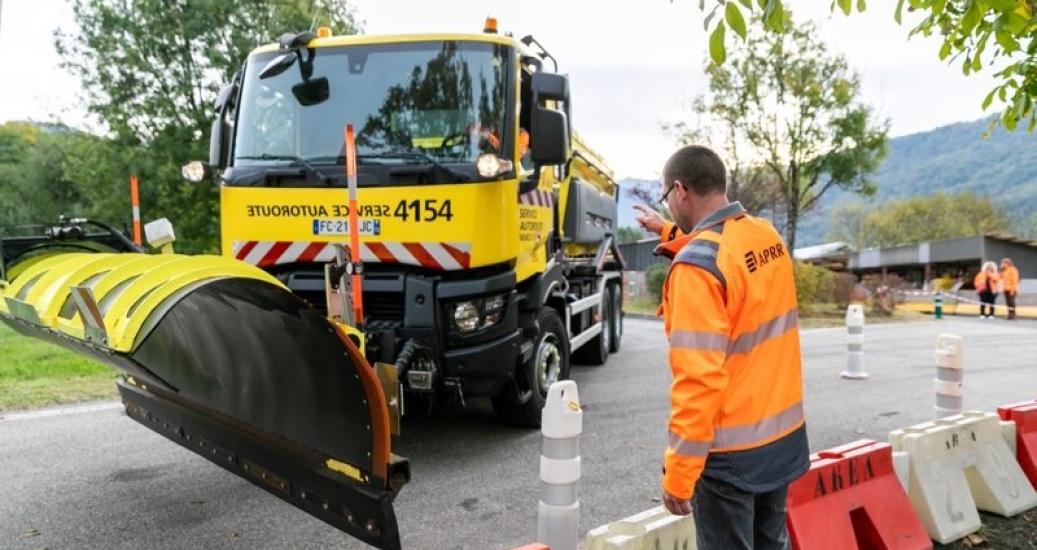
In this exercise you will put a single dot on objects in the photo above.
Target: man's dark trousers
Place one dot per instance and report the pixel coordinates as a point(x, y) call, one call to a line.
point(727, 518)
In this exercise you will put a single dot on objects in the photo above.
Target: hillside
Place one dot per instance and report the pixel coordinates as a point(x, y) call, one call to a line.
point(950, 158)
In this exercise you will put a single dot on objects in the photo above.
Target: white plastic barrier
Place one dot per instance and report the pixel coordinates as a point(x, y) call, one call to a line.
point(855, 343)
point(958, 464)
point(902, 466)
point(650, 530)
point(949, 375)
point(558, 518)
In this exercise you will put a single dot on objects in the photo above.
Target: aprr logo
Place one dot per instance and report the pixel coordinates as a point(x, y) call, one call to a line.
point(755, 260)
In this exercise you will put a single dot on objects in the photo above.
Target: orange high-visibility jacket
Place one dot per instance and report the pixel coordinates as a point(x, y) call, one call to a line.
point(730, 315)
point(980, 281)
point(1010, 276)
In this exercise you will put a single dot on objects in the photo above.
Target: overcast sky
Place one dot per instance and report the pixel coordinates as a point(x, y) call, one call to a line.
point(633, 65)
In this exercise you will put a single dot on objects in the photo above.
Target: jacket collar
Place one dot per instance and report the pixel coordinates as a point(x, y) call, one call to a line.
point(718, 216)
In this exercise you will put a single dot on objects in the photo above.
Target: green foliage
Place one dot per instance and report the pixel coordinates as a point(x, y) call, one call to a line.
point(58, 170)
point(629, 235)
point(150, 70)
point(655, 276)
point(975, 33)
point(793, 108)
point(814, 285)
point(918, 219)
point(953, 159)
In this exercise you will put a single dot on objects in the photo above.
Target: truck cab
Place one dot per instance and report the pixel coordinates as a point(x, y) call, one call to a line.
point(485, 224)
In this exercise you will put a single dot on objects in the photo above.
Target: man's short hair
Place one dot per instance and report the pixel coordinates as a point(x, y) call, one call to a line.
point(698, 168)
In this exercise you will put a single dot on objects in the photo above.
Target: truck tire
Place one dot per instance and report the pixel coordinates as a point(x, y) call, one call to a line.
point(616, 319)
point(522, 403)
point(596, 351)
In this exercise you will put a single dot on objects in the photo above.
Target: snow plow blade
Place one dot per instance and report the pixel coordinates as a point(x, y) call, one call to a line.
point(221, 358)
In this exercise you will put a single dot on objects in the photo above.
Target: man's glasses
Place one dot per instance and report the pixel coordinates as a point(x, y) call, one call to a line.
point(662, 199)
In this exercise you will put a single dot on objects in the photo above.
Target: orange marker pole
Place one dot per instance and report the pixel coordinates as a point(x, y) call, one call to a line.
point(135, 205)
point(354, 229)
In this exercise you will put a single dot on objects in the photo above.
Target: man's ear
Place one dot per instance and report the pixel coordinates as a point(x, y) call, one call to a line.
point(680, 190)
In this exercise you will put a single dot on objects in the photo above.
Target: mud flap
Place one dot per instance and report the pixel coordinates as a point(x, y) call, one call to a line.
point(224, 360)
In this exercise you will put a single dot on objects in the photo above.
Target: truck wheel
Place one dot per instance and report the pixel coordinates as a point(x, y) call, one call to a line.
point(522, 403)
point(616, 320)
point(596, 351)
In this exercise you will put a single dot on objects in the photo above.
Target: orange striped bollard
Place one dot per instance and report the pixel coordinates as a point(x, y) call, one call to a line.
point(135, 206)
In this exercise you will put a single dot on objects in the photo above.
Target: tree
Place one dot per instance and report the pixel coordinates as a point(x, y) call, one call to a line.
point(919, 219)
point(793, 111)
point(629, 235)
point(717, 125)
point(853, 224)
point(150, 71)
point(47, 170)
point(977, 32)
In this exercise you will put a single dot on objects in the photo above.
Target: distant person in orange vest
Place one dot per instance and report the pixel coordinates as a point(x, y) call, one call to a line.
point(986, 283)
point(737, 435)
point(1010, 284)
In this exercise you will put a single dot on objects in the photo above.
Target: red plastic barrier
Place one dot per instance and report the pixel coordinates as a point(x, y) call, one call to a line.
point(1025, 417)
point(851, 499)
point(535, 546)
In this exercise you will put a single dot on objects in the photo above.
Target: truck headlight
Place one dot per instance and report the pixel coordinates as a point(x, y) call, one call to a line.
point(466, 316)
point(480, 313)
point(494, 310)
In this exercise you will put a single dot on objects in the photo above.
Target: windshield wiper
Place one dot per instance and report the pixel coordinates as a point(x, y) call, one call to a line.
point(296, 161)
point(416, 155)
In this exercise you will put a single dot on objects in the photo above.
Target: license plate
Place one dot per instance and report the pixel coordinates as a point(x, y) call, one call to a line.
point(340, 226)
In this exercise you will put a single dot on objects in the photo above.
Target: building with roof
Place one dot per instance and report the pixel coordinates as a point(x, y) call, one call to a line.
point(954, 258)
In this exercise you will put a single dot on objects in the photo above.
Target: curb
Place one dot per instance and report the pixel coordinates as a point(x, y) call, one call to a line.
point(61, 410)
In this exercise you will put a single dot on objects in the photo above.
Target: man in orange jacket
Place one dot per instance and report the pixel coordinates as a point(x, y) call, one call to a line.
point(737, 435)
point(1010, 282)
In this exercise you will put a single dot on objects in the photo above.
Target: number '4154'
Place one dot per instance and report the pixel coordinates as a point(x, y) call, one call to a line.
point(424, 211)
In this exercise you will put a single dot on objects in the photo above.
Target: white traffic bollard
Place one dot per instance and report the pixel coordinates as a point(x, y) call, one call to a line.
point(855, 343)
point(949, 375)
point(558, 518)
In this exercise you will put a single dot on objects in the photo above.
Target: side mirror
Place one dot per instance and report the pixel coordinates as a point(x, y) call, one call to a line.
point(216, 142)
point(311, 92)
point(278, 64)
point(224, 97)
point(550, 87)
point(549, 136)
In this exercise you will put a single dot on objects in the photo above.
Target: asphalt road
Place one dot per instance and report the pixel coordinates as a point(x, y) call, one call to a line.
point(92, 478)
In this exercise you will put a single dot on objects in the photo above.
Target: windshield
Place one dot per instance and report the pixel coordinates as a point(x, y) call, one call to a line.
point(411, 103)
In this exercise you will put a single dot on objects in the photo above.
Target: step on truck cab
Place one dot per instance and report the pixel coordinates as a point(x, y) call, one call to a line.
point(485, 223)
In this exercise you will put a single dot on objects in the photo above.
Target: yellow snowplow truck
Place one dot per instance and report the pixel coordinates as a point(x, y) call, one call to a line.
point(486, 224)
point(485, 257)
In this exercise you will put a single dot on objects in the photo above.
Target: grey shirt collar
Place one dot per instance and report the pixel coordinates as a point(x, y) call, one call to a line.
point(731, 210)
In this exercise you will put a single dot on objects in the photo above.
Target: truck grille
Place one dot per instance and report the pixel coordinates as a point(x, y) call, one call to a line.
point(384, 306)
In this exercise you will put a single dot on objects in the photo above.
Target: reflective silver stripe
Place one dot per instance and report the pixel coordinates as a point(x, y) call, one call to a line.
point(950, 375)
point(768, 428)
point(770, 329)
point(560, 449)
point(690, 339)
point(702, 253)
point(684, 447)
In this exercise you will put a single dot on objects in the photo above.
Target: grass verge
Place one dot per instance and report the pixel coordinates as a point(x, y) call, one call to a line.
point(36, 374)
